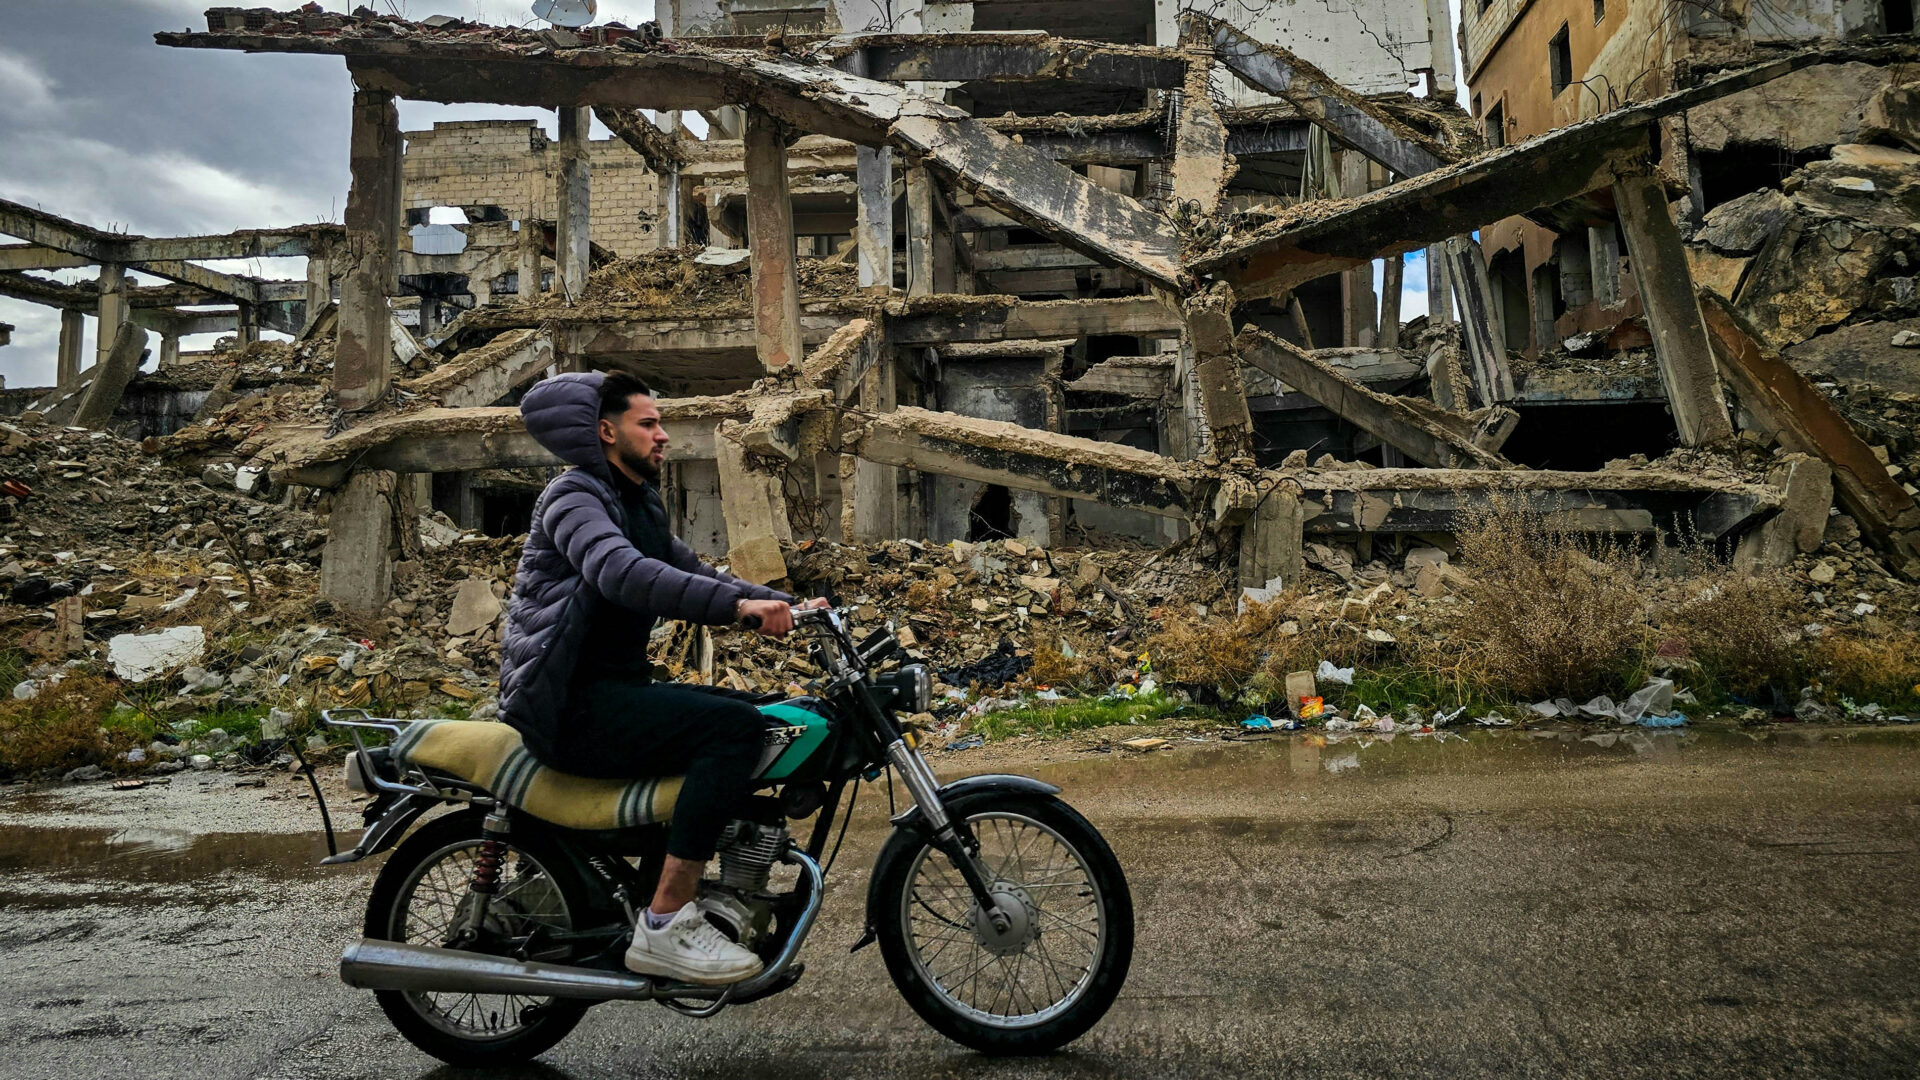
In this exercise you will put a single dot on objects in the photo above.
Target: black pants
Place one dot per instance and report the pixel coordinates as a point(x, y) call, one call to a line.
point(618, 730)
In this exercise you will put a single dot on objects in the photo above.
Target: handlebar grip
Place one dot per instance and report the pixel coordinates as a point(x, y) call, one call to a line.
point(750, 622)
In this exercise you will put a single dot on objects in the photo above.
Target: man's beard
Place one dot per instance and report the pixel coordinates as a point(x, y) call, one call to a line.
point(641, 465)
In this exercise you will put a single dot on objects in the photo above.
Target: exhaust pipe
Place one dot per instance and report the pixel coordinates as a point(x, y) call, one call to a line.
point(370, 964)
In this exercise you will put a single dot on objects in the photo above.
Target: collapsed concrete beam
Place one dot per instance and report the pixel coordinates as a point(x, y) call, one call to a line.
point(1444, 500)
point(484, 375)
point(1804, 421)
point(1022, 182)
point(15, 257)
point(1305, 242)
point(1387, 418)
point(1665, 282)
point(1344, 114)
point(111, 376)
point(661, 151)
point(1003, 56)
point(85, 295)
point(455, 440)
point(1148, 378)
point(1023, 459)
point(1481, 328)
point(38, 227)
point(842, 361)
point(1003, 318)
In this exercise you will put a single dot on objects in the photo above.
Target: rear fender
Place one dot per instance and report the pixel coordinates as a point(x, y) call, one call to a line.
point(384, 831)
point(910, 831)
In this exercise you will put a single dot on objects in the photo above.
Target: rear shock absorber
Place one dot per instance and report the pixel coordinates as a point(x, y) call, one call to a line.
point(486, 869)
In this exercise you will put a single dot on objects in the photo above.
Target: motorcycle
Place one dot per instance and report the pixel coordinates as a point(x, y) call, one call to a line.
point(1002, 915)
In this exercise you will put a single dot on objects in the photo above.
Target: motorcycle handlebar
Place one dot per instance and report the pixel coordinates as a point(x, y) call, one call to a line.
point(800, 615)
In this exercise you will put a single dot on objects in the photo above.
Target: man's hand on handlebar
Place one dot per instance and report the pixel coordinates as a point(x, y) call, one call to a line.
point(771, 617)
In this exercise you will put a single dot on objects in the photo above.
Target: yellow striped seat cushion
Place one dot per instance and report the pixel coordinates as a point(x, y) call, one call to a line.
point(489, 754)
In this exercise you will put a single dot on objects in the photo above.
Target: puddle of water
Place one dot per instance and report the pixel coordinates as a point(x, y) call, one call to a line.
point(147, 854)
point(1332, 758)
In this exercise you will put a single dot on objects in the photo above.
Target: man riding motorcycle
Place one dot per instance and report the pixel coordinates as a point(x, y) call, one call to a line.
point(599, 567)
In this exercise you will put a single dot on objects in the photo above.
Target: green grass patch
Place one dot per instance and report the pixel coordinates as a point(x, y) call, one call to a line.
point(1390, 690)
point(1081, 714)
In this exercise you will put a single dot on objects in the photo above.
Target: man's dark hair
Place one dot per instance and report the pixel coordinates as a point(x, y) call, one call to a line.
point(617, 390)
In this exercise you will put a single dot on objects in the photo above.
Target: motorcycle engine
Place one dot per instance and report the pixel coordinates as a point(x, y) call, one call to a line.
point(739, 900)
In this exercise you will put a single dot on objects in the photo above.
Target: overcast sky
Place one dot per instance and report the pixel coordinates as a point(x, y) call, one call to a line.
point(99, 124)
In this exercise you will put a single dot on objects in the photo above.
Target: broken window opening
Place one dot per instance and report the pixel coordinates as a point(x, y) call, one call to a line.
point(1583, 437)
point(1560, 60)
point(1508, 273)
point(1122, 22)
point(991, 516)
point(446, 215)
point(1599, 11)
point(1496, 126)
point(1898, 15)
point(1743, 168)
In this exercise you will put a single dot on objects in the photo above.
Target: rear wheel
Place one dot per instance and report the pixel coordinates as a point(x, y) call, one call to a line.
point(1055, 970)
point(423, 897)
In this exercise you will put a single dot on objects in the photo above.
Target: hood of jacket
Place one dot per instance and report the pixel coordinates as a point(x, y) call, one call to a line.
point(563, 415)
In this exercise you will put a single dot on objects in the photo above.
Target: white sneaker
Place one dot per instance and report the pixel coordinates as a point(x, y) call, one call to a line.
point(690, 949)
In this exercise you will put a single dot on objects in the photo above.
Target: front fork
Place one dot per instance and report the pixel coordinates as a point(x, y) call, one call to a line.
point(953, 839)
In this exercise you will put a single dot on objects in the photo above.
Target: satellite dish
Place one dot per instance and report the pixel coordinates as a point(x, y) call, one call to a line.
point(566, 12)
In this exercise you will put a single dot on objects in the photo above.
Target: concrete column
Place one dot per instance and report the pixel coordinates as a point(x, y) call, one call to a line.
point(755, 507)
point(1439, 287)
point(1390, 284)
point(1680, 343)
point(169, 349)
point(876, 487)
point(1270, 541)
point(1603, 250)
point(247, 329)
point(1480, 323)
point(363, 356)
point(67, 362)
point(1541, 304)
point(355, 570)
point(1359, 308)
point(776, 290)
point(319, 286)
point(529, 269)
point(573, 227)
point(1216, 372)
point(671, 212)
point(873, 225)
point(919, 232)
point(112, 309)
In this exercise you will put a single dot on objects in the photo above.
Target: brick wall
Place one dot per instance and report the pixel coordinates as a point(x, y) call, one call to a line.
point(510, 164)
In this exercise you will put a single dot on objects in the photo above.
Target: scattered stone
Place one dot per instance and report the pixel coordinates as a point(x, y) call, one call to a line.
point(139, 657)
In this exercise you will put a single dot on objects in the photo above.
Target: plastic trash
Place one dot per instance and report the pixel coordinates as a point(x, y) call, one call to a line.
point(1494, 719)
point(1442, 719)
point(1326, 672)
point(1673, 721)
point(1256, 722)
point(1312, 708)
point(1337, 724)
point(971, 742)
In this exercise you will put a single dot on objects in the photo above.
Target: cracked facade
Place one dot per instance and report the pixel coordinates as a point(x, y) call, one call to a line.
point(1009, 269)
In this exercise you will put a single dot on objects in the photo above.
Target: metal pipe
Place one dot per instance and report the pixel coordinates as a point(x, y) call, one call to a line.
point(371, 964)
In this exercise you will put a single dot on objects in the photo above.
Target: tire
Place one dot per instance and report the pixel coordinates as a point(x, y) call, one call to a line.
point(919, 925)
point(445, 1029)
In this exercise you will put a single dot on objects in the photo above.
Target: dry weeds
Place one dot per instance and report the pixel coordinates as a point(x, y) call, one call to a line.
point(1551, 612)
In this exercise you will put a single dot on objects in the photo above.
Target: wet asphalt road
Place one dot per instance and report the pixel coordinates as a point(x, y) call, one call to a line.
point(1512, 905)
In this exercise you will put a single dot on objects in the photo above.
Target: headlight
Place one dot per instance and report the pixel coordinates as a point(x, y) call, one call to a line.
point(922, 687)
point(909, 688)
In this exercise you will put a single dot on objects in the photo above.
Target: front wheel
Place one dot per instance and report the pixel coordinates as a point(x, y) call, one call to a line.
point(1053, 972)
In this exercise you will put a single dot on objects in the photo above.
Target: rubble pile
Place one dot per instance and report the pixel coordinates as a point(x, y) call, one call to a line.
point(713, 283)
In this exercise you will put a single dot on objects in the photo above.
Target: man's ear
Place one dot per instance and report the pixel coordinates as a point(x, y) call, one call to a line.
point(606, 431)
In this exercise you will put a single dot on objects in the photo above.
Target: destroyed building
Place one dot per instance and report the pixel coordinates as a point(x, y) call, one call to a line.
point(1006, 270)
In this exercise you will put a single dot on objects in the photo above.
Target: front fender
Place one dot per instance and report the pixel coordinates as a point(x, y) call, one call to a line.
point(909, 831)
